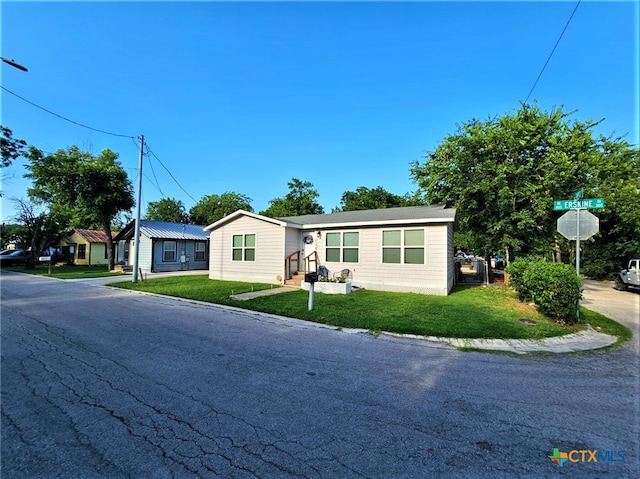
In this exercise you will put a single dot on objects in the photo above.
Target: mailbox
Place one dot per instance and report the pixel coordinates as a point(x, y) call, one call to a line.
point(311, 277)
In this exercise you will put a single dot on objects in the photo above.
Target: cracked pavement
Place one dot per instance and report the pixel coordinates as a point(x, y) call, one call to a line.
point(105, 383)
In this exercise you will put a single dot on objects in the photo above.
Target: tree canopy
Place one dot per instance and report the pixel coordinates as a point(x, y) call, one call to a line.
point(36, 230)
point(211, 208)
point(503, 175)
point(300, 200)
point(364, 198)
point(87, 188)
point(167, 209)
point(11, 148)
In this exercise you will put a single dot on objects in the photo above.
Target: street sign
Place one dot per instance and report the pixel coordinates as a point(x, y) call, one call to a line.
point(569, 223)
point(587, 204)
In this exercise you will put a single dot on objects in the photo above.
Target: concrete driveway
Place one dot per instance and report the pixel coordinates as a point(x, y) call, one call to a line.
point(622, 306)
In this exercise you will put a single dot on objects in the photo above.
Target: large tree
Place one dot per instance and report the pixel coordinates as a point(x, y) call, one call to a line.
point(364, 198)
point(167, 209)
point(616, 178)
point(503, 175)
point(211, 208)
point(97, 188)
point(300, 200)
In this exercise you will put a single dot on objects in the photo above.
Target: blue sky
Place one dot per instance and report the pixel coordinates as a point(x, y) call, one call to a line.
point(243, 96)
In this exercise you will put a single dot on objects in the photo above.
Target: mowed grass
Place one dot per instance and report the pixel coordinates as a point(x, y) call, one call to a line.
point(66, 271)
point(469, 312)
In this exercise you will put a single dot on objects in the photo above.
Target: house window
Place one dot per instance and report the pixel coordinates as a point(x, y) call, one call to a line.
point(403, 246)
point(342, 247)
point(82, 251)
point(169, 251)
point(244, 247)
point(392, 246)
point(200, 251)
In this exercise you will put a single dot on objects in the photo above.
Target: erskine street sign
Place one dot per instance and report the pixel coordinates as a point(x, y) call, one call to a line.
point(585, 204)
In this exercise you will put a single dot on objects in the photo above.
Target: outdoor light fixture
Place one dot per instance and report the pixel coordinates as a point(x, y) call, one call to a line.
point(14, 64)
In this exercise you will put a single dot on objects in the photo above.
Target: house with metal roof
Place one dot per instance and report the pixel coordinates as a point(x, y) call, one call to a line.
point(392, 249)
point(83, 247)
point(164, 246)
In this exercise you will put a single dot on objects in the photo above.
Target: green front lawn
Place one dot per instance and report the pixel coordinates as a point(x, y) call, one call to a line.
point(66, 272)
point(469, 312)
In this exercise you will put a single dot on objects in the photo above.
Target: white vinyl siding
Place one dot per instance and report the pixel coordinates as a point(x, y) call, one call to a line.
point(268, 261)
point(423, 261)
point(371, 272)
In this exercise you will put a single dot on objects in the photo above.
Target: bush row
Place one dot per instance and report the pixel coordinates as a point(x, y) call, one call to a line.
point(554, 287)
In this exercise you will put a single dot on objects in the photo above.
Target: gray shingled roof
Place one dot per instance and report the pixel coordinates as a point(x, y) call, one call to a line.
point(407, 214)
point(164, 230)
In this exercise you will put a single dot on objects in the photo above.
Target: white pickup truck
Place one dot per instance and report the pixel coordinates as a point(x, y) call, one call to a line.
point(629, 277)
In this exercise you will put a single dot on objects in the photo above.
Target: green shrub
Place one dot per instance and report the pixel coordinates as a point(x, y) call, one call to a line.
point(599, 269)
point(555, 288)
point(516, 270)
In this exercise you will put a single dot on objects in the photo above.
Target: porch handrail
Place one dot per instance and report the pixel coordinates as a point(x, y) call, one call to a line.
point(311, 258)
point(293, 257)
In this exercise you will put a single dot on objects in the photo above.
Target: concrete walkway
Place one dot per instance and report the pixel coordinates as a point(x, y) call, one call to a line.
point(263, 292)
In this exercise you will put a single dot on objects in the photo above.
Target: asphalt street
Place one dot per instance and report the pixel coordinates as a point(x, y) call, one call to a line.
point(104, 383)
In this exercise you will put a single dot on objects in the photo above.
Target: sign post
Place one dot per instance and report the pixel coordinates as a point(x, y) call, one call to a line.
point(578, 224)
point(585, 223)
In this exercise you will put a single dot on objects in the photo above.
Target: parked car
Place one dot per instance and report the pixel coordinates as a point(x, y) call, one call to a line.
point(629, 277)
point(15, 257)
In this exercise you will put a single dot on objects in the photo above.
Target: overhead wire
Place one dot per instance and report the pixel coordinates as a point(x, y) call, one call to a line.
point(147, 151)
point(153, 172)
point(170, 174)
point(553, 50)
point(63, 117)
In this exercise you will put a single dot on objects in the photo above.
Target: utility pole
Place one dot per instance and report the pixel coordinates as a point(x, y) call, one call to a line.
point(136, 237)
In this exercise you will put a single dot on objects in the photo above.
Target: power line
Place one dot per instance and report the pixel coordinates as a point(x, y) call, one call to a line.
point(154, 175)
point(171, 175)
point(552, 51)
point(65, 118)
point(133, 138)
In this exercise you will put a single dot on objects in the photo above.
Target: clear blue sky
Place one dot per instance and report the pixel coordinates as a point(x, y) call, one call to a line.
point(245, 96)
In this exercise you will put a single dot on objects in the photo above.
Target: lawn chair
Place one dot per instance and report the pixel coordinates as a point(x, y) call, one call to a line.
point(344, 273)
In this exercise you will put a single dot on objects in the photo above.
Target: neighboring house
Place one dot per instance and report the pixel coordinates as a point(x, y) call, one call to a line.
point(393, 249)
point(164, 246)
point(83, 247)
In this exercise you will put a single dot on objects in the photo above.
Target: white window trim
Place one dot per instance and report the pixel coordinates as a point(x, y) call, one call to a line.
point(165, 251)
point(342, 246)
point(244, 247)
point(403, 247)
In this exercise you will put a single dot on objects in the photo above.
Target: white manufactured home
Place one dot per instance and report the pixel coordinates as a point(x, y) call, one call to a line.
point(394, 249)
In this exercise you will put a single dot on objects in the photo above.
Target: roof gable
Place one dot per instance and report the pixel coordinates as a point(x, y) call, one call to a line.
point(238, 213)
point(93, 236)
